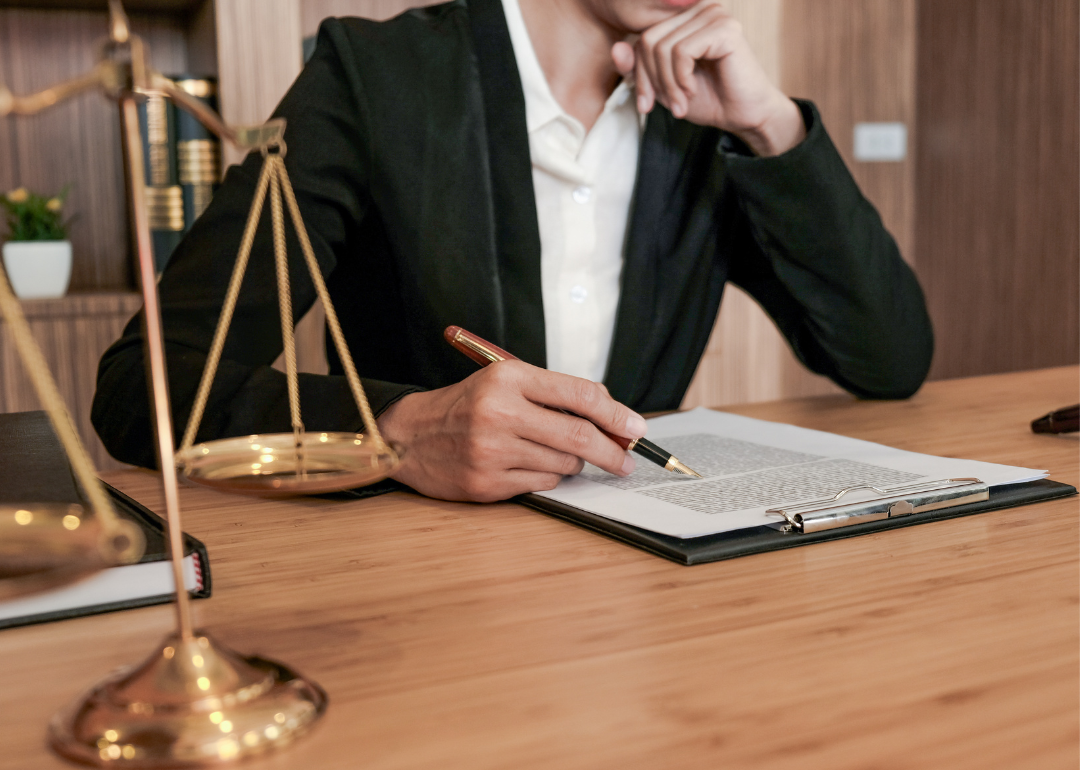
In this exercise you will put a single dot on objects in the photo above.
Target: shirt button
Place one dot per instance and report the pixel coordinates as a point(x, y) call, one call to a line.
point(578, 294)
point(582, 194)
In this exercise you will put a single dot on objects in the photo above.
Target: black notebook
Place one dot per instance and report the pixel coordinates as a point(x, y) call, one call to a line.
point(35, 469)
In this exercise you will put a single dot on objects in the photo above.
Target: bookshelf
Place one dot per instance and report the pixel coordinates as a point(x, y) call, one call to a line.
point(253, 47)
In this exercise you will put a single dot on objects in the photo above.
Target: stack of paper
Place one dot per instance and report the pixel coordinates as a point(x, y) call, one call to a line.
point(750, 466)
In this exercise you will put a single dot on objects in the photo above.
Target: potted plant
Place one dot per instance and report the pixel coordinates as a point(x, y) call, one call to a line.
point(37, 255)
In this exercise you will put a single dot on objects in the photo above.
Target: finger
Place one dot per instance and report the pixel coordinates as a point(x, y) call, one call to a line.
point(507, 484)
point(623, 56)
point(584, 398)
point(522, 482)
point(524, 454)
point(646, 73)
point(650, 39)
point(658, 32)
point(712, 41)
point(572, 435)
point(676, 60)
point(646, 95)
point(667, 84)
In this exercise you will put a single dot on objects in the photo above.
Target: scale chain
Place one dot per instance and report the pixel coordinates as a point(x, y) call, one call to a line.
point(338, 336)
point(227, 309)
point(277, 166)
point(275, 179)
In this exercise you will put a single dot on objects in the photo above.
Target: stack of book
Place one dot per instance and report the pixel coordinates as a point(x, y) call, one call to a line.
point(183, 165)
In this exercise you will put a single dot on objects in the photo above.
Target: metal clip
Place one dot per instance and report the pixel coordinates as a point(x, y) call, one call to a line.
point(893, 502)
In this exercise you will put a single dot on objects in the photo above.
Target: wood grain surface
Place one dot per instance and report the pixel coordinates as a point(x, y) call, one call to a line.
point(999, 182)
point(489, 636)
point(856, 60)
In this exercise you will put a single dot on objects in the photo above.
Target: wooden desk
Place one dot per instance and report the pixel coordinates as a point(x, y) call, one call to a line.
point(462, 636)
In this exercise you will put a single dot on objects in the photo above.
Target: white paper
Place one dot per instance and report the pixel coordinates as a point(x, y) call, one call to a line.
point(749, 466)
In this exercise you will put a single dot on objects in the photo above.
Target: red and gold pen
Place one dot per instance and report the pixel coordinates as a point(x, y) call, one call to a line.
point(483, 352)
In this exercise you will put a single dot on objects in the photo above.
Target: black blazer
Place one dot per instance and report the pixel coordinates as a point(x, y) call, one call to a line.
point(408, 151)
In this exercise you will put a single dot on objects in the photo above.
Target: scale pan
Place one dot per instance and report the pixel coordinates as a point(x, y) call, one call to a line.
point(46, 545)
point(268, 465)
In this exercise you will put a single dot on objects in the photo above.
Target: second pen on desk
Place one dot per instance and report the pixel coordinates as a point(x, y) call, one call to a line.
point(483, 352)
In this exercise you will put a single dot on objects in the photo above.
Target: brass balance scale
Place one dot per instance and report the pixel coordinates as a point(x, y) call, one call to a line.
point(192, 702)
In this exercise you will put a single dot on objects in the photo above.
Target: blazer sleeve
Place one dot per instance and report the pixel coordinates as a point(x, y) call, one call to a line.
point(819, 260)
point(327, 157)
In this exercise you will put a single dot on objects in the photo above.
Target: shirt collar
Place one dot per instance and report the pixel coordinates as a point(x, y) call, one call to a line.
point(541, 107)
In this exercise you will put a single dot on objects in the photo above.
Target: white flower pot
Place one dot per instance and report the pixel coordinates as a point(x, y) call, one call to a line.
point(38, 269)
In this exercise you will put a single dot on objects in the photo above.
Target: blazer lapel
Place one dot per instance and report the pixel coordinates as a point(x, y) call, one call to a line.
point(636, 342)
point(517, 234)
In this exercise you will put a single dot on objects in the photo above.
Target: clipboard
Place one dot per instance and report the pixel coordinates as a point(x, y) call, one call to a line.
point(830, 519)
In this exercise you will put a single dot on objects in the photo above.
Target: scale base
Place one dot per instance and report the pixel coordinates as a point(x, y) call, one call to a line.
point(190, 704)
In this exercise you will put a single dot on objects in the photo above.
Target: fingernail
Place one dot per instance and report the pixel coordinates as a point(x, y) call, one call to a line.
point(628, 465)
point(636, 426)
point(642, 104)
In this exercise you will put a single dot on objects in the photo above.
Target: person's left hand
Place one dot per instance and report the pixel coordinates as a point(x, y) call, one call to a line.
point(699, 65)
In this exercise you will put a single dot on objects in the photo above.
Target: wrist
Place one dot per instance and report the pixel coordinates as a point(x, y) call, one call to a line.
point(783, 130)
point(393, 422)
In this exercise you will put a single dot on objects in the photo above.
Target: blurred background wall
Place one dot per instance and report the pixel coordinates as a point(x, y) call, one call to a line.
point(982, 193)
point(985, 203)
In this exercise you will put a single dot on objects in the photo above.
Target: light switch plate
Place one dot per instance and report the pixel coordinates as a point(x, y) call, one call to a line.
point(880, 142)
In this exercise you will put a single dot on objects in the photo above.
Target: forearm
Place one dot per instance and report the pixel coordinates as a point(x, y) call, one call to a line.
point(829, 272)
point(244, 399)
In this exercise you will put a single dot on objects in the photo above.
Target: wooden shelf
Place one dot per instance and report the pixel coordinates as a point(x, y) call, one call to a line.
point(83, 305)
point(73, 332)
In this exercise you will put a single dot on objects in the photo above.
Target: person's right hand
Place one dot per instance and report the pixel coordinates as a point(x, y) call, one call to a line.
point(489, 437)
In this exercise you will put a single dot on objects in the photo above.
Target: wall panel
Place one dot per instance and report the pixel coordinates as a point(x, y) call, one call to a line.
point(312, 12)
point(747, 359)
point(259, 56)
point(999, 182)
point(856, 60)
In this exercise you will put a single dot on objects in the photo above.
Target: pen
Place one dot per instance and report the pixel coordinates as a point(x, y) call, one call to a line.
point(1064, 420)
point(483, 352)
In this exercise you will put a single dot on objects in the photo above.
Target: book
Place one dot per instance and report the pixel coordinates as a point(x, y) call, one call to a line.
point(37, 470)
point(752, 469)
point(164, 196)
point(183, 164)
point(198, 151)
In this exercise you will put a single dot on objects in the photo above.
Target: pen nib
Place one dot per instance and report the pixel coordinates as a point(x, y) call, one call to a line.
point(678, 467)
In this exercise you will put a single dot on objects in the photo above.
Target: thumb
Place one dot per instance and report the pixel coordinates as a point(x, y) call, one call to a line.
point(623, 56)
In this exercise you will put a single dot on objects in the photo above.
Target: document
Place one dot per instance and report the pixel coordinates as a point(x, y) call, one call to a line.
point(750, 466)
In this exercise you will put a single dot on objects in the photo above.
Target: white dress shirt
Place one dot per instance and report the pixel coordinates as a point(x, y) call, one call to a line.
point(583, 183)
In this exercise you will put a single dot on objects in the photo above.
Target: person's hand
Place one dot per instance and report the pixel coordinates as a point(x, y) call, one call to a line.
point(699, 65)
point(489, 437)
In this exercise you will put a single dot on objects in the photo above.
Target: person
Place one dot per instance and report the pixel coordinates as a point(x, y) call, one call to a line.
point(574, 180)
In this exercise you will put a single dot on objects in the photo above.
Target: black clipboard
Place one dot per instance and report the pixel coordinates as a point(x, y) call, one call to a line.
point(744, 542)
